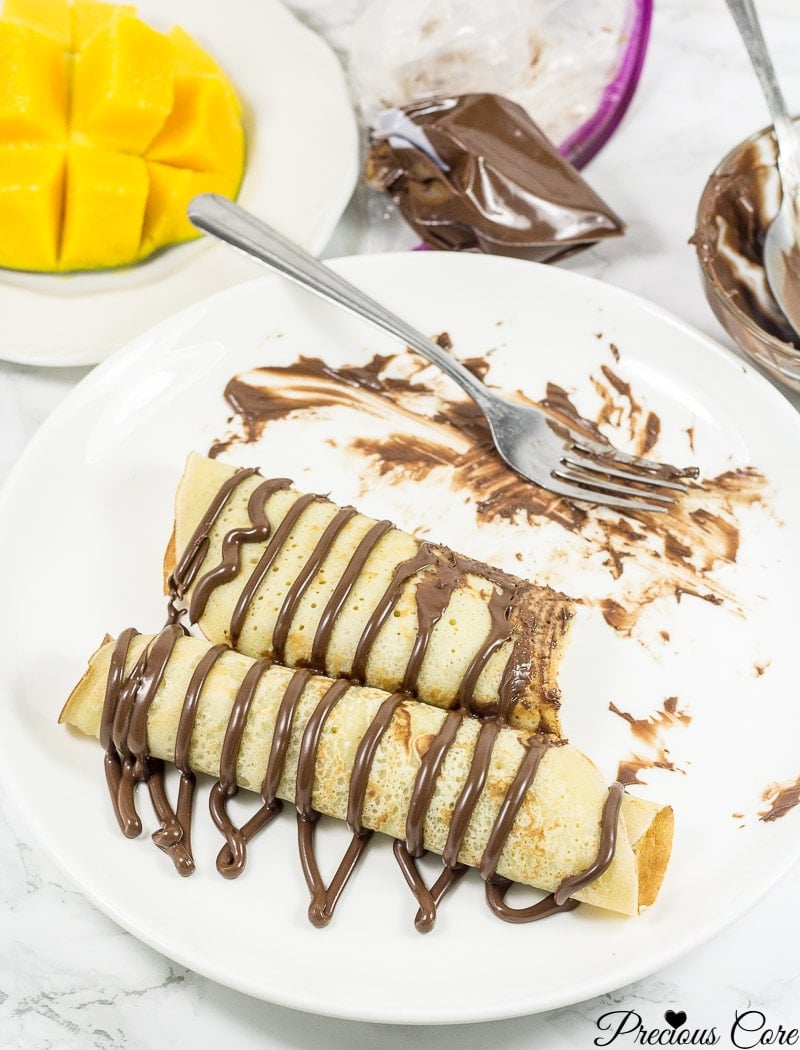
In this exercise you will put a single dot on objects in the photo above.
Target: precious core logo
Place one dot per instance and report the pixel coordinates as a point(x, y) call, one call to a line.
point(749, 1029)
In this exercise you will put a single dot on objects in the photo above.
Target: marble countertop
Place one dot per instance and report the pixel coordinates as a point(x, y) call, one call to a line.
point(70, 978)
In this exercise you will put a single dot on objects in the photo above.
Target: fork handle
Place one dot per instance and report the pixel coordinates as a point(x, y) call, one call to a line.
point(229, 222)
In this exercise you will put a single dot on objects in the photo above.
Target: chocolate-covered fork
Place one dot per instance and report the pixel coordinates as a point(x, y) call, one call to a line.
point(547, 451)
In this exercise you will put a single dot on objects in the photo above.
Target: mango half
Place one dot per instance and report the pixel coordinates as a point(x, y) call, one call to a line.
point(108, 128)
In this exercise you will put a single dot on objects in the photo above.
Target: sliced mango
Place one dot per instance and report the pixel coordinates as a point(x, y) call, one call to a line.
point(88, 16)
point(104, 204)
point(122, 86)
point(31, 188)
point(171, 189)
point(108, 129)
point(203, 132)
point(33, 86)
point(51, 17)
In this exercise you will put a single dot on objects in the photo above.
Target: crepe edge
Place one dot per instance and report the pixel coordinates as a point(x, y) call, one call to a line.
point(647, 826)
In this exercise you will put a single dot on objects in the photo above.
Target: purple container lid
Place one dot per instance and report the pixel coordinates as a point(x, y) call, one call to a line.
point(588, 139)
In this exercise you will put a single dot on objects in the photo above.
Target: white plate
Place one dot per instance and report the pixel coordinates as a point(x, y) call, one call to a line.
point(83, 522)
point(302, 165)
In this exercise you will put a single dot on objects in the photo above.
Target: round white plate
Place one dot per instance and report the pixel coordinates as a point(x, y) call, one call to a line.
point(84, 520)
point(302, 165)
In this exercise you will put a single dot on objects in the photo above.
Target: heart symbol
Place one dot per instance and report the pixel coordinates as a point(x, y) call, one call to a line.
point(675, 1019)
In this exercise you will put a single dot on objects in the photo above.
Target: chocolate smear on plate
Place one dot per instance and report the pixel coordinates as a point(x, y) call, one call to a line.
point(650, 733)
point(781, 798)
point(428, 432)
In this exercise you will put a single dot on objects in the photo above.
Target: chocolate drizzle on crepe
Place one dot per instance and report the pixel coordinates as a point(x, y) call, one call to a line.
point(433, 593)
point(123, 732)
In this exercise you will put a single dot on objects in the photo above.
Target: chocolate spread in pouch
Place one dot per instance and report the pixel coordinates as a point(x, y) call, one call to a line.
point(475, 172)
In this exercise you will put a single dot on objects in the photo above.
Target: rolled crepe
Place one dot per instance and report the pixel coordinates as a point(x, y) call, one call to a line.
point(275, 573)
point(515, 805)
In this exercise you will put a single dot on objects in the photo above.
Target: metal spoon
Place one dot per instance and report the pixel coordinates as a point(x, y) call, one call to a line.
point(782, 243)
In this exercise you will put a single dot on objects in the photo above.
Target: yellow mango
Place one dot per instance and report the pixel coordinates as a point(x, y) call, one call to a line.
point(122, 85)
point(104, 203)
point(90, 15)
point(51, 17)
point(171, 189)
point(203, 131)
point(33, 86)
point(31, 187)
point(108, 129)
point(190, 57)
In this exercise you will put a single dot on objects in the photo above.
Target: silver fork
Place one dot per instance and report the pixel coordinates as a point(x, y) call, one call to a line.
point(542, 449)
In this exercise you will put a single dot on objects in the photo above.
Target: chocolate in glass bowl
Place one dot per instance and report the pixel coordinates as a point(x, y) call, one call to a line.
point(739, 201)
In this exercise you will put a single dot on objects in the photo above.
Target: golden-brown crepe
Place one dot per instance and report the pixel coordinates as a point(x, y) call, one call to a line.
point(516, 805)
point(273, 572)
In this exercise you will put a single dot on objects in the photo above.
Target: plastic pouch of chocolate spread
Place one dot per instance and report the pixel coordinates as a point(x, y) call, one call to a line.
point(474, 172)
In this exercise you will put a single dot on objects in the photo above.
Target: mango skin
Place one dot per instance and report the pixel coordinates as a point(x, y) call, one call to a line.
point(108, 128)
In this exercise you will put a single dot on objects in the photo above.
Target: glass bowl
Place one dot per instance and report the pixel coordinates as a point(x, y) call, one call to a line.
point(738, 203)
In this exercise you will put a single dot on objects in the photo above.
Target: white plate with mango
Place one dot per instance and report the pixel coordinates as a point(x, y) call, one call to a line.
point(112, 117)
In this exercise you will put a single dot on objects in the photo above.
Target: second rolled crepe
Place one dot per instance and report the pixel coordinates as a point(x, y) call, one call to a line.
point(292, 576)
point(176, 698)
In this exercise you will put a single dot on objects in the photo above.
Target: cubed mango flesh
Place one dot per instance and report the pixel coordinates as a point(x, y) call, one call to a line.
point(31, 190)
point(190, 57)
point(203, 132)
point(108, 129)
point(104, 203)
point(51, 17)
point(34, 86)
point(122, 85)
point(88, 16)
point(171, 190)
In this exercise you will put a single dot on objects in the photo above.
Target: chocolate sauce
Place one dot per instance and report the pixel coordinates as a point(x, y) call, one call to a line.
point(271, 551)
point(192, 557)
point(437, 571)
point(123, 732)
point(502, 186)
point(428, 433)
point(231, 544)
point(423, 558)
point(323, 898)
point(341, 592)
point(433, 595)
point(650, 732)
point(183, 738)
point(291, 601)
point(468, 799)
point(733, 217)
point(605, 853)
point(231, 862)
point(781, 799)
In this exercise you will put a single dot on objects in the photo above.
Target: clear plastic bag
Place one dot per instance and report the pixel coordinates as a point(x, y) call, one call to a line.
point(571, 64)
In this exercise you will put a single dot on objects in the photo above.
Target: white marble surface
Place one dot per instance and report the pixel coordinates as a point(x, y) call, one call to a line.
point(70, 978)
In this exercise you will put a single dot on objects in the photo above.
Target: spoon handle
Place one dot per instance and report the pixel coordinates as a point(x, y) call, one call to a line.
point(232, 224)
point(746, 19)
